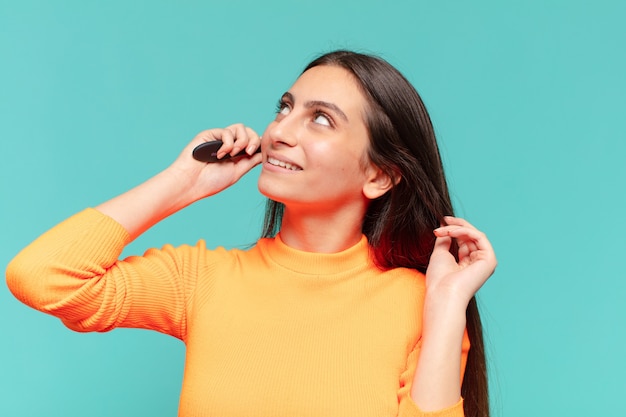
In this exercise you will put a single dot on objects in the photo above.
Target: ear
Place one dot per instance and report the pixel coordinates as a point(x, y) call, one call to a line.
point(378, 183)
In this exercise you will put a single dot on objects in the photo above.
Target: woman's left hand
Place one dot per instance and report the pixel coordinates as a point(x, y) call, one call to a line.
point(476, 261)
point(450, 285)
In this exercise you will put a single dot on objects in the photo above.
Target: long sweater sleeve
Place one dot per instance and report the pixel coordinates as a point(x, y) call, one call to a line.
point(73, 272)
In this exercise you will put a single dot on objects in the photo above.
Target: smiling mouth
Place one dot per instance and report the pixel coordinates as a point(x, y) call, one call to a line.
point(282, 164)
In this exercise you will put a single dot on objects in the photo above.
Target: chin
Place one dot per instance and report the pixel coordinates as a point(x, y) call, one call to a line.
point(266, 190)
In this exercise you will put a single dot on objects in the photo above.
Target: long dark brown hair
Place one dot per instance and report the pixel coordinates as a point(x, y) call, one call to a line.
point(399, 225)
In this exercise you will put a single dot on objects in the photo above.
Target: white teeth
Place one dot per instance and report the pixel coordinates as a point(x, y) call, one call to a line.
point(278, 163)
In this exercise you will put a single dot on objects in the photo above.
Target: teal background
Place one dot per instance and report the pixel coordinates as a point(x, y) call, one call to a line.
point(527, 98)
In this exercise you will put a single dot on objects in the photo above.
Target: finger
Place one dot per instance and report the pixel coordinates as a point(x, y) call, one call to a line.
point(227, 137)
point(241, 138)
point(254, 141)
point(464, 251)
point(468, 252)
point(442, 243)
point(466, 236)
point(459, 232)
point(458, 221)
point(441, 259)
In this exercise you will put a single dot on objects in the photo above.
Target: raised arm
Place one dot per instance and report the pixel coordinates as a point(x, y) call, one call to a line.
point(73, 271)
point(185, 181)
point(449, 287)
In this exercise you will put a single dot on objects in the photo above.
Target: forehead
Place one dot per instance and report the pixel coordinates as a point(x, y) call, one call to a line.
point(330, 84)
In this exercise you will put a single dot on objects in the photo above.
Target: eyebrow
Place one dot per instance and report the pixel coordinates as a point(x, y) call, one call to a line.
point(316, 103)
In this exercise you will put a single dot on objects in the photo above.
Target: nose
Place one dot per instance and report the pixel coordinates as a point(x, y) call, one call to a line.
point(283, 130)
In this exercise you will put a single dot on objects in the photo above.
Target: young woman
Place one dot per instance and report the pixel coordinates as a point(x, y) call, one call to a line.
point(358, 300)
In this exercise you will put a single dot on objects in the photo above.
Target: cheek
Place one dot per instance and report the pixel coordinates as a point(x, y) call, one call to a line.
point(336, 158)
point(321, 154)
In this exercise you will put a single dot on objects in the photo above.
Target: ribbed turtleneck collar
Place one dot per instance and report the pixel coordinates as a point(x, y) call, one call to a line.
point(313, 263)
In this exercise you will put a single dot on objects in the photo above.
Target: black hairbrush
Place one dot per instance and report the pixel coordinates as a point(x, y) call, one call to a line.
point(207, 152)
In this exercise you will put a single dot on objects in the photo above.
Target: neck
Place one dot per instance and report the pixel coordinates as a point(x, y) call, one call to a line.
point(321, 232)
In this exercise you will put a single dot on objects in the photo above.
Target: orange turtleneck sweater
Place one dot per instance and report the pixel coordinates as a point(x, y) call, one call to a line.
point(270, 331)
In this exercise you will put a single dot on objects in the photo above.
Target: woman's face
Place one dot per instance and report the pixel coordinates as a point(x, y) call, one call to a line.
point(314, 152)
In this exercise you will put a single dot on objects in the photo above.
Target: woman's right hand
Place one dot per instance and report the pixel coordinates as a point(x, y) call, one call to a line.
point(185, 181)
point(201, 179)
